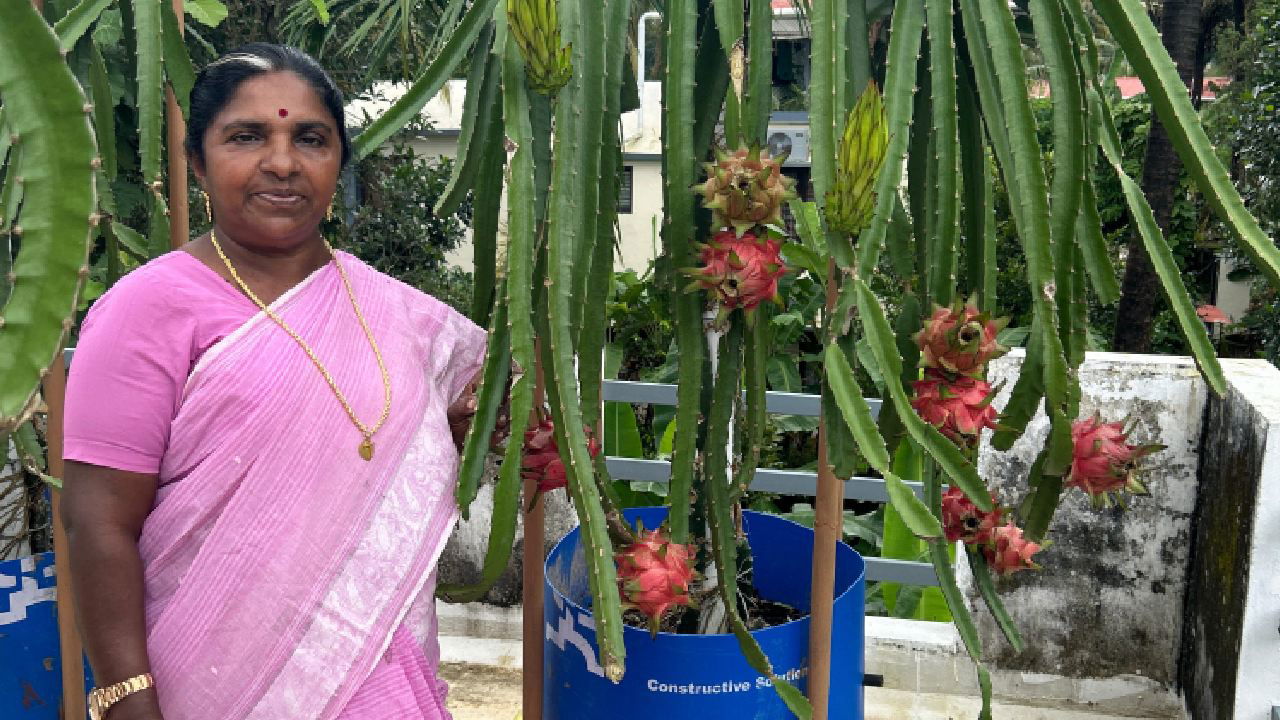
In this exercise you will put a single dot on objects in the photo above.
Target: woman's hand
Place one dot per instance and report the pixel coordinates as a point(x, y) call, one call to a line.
point(463, 411)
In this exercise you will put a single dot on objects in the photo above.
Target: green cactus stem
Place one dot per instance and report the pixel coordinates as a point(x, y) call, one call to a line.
point(565, 223)
point(759, 95)
point(150, 62)
point(679, 163)
point(49, 115)
point(429, 82)
point(944, 189)
point(899, 89)
point(978, 201)
point(77, 22)
point(177, 63)
point(518, 307)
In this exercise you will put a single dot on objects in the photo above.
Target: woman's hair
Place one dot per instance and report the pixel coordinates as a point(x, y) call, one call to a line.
point(219, 80)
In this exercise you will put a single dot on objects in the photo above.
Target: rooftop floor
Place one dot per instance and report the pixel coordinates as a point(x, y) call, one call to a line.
point(484, 684)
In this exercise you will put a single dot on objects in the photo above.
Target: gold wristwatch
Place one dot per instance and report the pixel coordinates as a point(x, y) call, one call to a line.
point(101, 699)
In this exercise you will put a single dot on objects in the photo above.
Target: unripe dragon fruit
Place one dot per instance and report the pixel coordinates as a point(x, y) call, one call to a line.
point(1008, 552)
point(960, 408)
point(960, 339)
point(654, 575)
point(1103, 462)
point(962, 520)
point(852, 198)
point(745, 188)
point(542, 461)
point(739, 272)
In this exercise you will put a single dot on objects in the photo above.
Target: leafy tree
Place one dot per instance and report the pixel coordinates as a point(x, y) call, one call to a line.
point(1246, 123)
point(1180, 26)
point(1191, 245)
point(393, 225)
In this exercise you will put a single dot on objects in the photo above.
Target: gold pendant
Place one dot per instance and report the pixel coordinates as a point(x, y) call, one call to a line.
point(366, 449)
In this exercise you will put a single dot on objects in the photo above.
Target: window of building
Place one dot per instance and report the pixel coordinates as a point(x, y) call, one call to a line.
point(625, 190)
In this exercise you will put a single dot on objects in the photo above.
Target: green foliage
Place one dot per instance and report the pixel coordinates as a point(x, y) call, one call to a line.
point(1245, 120)
point(1193, 250)
point(47, 118)
point(393, 225)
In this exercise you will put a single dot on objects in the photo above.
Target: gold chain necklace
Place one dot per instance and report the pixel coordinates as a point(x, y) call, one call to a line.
point(366, 446)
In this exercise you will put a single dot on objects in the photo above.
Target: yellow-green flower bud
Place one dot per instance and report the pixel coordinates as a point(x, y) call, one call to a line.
point(851, 201)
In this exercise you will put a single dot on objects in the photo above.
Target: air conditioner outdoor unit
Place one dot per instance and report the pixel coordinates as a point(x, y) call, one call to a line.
point(789, 139)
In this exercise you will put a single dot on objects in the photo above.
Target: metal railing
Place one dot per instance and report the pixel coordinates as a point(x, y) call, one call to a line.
point(788, 482)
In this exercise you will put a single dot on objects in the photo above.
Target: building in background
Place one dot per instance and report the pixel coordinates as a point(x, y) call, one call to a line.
point(640, 201)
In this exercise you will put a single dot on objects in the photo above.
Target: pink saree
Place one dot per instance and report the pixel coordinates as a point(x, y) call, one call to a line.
point(286, 577)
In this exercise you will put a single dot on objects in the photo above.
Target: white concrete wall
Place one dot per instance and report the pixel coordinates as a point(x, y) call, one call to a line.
point(639, 238)
point(1258, 676)
point(1109, 598)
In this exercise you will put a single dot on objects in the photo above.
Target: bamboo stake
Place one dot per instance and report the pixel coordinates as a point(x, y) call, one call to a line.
point(531, 579)
point(827, 525)
point(71, 647)
point(179, 210)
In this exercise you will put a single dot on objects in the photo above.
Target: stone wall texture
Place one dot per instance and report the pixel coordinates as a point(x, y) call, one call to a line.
point(1230, 664)
point(1109, 599)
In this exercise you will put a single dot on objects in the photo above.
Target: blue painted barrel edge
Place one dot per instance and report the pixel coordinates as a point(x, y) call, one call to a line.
point(701, 676)
point(30, 657)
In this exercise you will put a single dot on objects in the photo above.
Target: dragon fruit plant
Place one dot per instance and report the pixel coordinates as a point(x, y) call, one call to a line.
point(894, 250)
point(884, 243)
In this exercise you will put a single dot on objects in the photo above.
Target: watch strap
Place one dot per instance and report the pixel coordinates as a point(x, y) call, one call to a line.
point(101, 699)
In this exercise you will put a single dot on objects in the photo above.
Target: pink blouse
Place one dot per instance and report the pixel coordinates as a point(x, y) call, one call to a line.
point(137, 346)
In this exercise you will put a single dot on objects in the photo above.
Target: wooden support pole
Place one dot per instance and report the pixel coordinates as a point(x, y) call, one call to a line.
point(828, 508)
point(534, 528)
point(531, 579)
point(69, 645)
point(179, 211)
point(72, 649)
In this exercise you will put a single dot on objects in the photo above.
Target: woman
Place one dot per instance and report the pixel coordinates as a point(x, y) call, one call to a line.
point(261, 440)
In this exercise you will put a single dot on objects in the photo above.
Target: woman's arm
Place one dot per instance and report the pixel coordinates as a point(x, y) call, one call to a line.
point(103, 510)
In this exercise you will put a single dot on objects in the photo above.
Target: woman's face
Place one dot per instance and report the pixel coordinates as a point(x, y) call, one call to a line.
point(271, 162)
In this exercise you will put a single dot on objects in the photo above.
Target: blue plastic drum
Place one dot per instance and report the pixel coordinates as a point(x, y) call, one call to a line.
point(701, 677)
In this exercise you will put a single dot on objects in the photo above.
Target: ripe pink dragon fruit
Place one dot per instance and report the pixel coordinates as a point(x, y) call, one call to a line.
point(745, 188)
point(654, 575)
point(740, 272)
point(962, 520)
point(1103, 462)
point(1008, 552)
point(542, 460)
point(960, 408)
point(960, 339)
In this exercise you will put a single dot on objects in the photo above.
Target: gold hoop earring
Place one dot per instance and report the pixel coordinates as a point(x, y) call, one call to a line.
point(328, 215)
point(208, 209)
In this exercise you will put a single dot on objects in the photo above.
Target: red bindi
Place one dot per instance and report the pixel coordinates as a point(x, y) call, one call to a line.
point(284, 113)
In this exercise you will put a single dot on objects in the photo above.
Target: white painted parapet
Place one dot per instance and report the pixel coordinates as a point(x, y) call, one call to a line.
point(1230, 665)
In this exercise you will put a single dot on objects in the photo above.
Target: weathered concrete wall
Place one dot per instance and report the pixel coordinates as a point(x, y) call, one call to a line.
point(1230, 667)
point(1109, 600)
point(463, 557)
